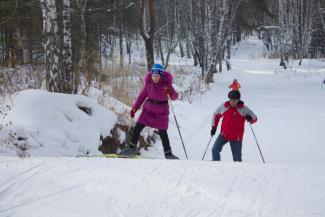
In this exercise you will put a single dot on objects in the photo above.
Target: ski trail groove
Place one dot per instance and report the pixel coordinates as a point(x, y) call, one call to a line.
point(20, 174)
point(38, 199)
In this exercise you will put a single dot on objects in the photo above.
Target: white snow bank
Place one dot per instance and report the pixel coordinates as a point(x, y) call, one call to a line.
point(51, 124)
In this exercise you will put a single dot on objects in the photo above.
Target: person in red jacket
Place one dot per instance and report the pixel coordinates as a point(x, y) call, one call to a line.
point(233, 114)
point(234, 85)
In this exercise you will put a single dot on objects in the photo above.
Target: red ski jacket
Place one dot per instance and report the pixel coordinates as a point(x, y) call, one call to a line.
point(233, 120)
point(235, 86)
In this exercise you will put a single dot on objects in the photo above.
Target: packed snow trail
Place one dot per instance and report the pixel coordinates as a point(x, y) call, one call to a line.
point(289, 104)
point(75, 187)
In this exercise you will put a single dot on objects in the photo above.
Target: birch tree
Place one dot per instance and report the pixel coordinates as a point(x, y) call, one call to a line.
point(57, 47)
point(51, 42)
point(227, 15)
point(67, 76)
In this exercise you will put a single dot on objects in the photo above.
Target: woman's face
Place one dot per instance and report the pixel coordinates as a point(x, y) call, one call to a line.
point(155, 78)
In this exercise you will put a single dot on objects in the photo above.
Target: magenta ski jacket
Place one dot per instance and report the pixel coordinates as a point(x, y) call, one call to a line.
point(155, 108)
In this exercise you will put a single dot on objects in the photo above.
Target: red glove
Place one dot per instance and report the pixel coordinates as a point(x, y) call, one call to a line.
point(167, 91)
point(132, 112)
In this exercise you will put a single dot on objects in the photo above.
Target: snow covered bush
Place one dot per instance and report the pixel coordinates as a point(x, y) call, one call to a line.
point(25, 77)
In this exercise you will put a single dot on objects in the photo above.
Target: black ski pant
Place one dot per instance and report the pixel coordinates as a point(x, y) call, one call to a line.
point(162, 133)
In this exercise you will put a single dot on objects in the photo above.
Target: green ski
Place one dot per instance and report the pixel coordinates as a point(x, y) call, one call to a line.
point(116, 156)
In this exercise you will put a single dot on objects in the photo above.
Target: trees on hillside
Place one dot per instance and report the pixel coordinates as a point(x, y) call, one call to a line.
point(84, 36)
point(20, 27)
point(302, 32)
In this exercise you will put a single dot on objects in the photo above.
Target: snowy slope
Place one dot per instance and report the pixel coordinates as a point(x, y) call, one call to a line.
point(291, 109)
point(289, 104)
point(70, 187)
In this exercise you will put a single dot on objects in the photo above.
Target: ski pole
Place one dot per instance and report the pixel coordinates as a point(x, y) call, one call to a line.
point(257, 143)
point(179, 132)
point(129, 130)
point(206, 148)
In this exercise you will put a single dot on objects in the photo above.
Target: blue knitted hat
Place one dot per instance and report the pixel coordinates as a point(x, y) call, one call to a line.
point(157, 69)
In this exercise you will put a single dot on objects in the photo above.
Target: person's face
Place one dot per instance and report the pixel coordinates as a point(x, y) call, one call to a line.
point(233, 102)
point(155, 78)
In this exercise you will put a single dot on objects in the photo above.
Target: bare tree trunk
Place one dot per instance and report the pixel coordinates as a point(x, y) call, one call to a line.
point(201, 47)
point(81, 11)
point(15, 45)
point(214, 40)
point(7, 47)
point(15, 42)
point(160, 51)
point(220, 64)
point(228, 48)
point(178, 14)
point(51, 45)
point(128, 46)
point(121, 29)
point(3, 38)
point(30, 52)
point(172, 32)
point(67, 75)
point(196, 56)
point(147, 28)
point(20, 49)
point(121, 49)
point(12, 46)
point(227, 15)
point(188, 50)
point(181, 48)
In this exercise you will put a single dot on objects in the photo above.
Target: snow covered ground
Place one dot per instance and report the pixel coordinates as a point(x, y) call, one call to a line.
point(290, 107)
point(53, 124)
point(74, 187)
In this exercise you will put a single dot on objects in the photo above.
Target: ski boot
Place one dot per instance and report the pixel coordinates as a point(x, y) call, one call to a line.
point(129, 150)
point(169, 155)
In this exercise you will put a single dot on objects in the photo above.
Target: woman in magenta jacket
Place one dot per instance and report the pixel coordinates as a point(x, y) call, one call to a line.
point(155, 110)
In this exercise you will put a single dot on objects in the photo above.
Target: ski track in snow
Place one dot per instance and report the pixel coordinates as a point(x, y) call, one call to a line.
point(123, 187)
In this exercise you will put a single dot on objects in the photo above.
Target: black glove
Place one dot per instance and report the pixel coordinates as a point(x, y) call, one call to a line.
point(248, 118)
point(213, 131)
